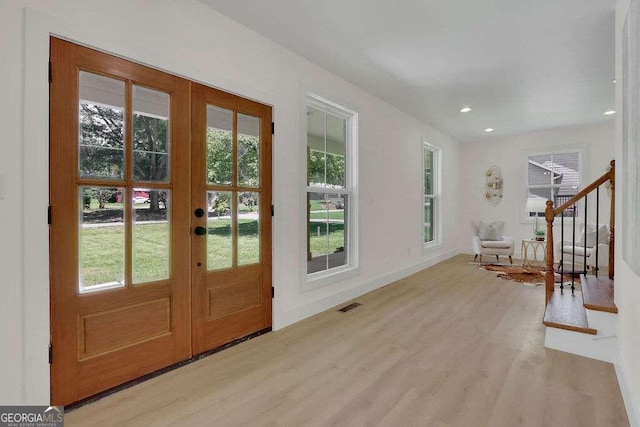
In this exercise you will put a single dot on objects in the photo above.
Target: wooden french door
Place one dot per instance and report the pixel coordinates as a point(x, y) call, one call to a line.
point(231, 203)
point(128, 270)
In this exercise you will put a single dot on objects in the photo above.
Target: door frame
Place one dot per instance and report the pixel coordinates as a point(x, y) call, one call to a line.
point(34, 286)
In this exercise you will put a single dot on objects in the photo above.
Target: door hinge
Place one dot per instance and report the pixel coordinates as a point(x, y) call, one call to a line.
point(273, 128)
point(50, 354)
point(273, 210)
point(49, 215)
point(273, 292)
point(50, 72)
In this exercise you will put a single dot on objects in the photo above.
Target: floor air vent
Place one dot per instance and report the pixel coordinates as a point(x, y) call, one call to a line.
point(350, 307)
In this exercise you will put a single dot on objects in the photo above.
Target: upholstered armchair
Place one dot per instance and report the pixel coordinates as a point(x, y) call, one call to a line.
point(488, 240)
point(563, 250)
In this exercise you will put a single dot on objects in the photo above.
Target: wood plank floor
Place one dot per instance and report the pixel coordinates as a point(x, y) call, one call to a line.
point(566, 311)
point(450, 346)
point(598, 293)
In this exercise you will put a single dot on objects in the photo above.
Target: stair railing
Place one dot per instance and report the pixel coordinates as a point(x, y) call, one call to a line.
point(570, 206)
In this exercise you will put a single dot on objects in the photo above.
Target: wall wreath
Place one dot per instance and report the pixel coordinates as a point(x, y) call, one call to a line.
point(493, 191)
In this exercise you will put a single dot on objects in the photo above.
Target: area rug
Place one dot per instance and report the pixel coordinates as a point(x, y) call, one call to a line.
point(530, 276)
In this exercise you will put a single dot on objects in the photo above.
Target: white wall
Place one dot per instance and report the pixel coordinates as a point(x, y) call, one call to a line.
point(627, 282)
point(509, 153)
point(11, 256)
point(189, 39)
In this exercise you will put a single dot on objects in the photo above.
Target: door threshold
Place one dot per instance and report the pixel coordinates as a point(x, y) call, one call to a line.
point(161, 371)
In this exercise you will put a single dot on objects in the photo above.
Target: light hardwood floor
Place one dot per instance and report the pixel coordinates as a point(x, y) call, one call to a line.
point(449, 346)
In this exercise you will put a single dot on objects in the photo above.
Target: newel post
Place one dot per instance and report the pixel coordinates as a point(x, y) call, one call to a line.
point(612, 220)
point(549, 277)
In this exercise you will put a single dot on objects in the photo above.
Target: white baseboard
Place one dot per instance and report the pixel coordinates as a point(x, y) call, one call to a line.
point(299, 313)
point(633, 412)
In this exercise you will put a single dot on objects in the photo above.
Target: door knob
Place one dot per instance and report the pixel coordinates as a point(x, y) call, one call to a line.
point(200, 231)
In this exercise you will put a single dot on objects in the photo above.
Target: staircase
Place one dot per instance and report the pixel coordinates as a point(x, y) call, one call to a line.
point(580, 313)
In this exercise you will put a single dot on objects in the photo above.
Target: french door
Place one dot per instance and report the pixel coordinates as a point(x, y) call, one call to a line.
point(232, 237)
point(136, 284)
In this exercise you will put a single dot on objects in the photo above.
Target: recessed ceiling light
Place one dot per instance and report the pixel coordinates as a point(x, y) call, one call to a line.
point(488, 130)
point(613, 81)
point(609, 112)
point(465, 109)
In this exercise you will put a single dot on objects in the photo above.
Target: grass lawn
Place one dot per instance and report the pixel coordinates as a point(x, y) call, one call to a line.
point(320, 243)
point(317, 205)
point(102, 250)
point(102, 254)
point(324, 215)
point(219, 243)
point(94, 206)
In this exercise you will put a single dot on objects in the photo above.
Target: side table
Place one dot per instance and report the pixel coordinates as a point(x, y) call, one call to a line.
point(530, 252)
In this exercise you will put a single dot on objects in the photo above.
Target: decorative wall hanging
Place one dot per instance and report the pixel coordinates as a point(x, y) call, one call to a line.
point(493, 192)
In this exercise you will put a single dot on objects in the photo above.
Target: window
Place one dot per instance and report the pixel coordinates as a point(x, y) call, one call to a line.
point(554, 176)
point(431, 200)
point(331, 140)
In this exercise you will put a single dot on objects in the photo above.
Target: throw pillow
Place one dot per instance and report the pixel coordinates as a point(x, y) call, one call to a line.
point(491, 231)
point(603, 236)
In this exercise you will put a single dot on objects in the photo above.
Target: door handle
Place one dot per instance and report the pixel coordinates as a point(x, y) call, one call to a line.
point(200, 231)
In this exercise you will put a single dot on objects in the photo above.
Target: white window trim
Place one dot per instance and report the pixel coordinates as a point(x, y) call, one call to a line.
point(437, 194)
point(583, 165)
point(351, 269)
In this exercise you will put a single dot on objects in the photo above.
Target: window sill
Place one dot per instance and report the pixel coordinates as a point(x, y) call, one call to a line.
point(328, 277)
point(431, 245)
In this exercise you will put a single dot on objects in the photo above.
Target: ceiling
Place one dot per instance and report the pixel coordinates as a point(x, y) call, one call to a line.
point(521, 65)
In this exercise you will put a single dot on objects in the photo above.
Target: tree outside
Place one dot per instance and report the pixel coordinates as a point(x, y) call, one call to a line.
point(102, 148)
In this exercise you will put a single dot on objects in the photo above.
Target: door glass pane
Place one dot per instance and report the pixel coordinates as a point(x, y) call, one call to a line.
point(248, 150)
point(248, 228)
point(219, 145)
point(151, 235)
point(150, 135)
point(318, 247)
point(219, 230)
point(101, 237)
point(101, 127)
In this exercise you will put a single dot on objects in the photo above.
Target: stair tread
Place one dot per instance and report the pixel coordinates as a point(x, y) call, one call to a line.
point(566, 311)
point(597, 293)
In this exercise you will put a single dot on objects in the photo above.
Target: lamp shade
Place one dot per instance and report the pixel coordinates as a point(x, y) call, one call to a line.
point(536, 206)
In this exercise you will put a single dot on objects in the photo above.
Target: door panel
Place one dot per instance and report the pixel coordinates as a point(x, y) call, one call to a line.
point(119, 191)
point(231, 183)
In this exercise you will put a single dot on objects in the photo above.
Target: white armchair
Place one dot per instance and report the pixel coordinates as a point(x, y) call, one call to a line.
point(488, 240)
point(563, 251)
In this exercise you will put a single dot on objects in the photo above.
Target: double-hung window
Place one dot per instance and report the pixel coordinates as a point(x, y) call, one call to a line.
point(331, 140)
point(431, 200)
point(554, 176)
